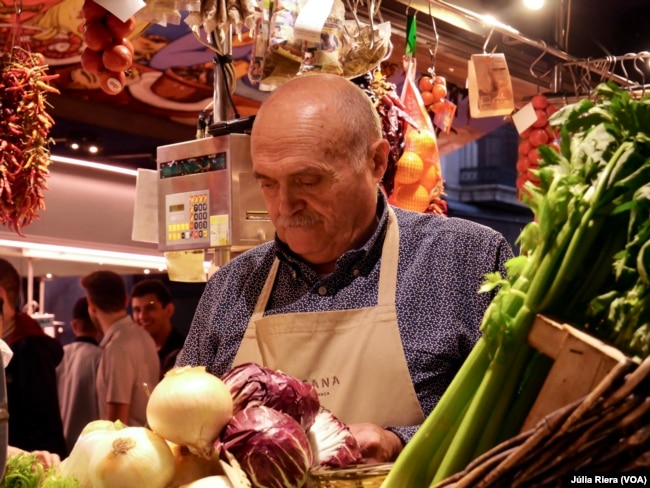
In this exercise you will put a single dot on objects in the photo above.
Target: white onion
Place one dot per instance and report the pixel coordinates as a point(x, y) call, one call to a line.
point(190, 407)
point(191, 467)
point(136, 457)
point(92, 435)
point(219, 481)
point(77, 464)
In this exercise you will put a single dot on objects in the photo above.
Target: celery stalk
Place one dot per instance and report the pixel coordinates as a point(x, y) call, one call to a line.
point(605, 159)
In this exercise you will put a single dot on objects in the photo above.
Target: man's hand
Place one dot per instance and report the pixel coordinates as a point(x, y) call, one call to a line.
point(49, 459)
point(377, 445)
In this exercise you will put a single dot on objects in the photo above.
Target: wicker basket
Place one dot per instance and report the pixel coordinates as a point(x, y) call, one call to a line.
point(358, 476)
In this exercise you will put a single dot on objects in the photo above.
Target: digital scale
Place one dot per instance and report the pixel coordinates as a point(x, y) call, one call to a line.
point(208, 196)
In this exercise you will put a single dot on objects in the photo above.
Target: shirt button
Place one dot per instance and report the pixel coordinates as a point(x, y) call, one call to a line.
point(322, 291)
point(355, 272)
point(294, 274)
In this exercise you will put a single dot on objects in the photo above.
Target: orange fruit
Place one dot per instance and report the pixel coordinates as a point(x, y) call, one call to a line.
point(412, 197)
point(423, 143)
point(437, 107)
point(408, 168)
point(430, 177)
point(427, 98)
point(439, 91)
point(425, 84)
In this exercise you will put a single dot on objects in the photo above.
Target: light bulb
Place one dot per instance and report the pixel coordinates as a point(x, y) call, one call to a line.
point(534, 4)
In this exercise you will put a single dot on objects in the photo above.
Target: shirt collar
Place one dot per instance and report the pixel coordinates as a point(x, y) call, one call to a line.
point(361, 259)
point(114, 328)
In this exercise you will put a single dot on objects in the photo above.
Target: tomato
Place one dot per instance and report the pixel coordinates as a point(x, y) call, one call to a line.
point(542, 119)
point(552, 133)
point(117, 58)
point(539, 102)
point(555, 146)
point(96, 35)
point(521, 179)
point(524, 147)
point(439, 80)
point(538, 137)
point(526, 133)
point(523, 164)
point(551, 109)
point(425, 84)
point(533, 158)
point(118, 28)
point(91, 61)
point(112, 82)
point(439, 92)
point(427, 98)
point(93, 11)
point(128, 44)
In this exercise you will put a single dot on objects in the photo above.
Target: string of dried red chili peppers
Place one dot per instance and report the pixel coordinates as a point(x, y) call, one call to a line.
point(24, 136)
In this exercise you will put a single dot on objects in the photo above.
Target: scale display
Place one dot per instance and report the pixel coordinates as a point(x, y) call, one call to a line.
point(188, 217)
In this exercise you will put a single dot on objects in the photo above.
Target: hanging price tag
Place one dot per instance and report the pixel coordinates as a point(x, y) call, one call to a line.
point(489, 86)
point(122, 9)
point(311, 19)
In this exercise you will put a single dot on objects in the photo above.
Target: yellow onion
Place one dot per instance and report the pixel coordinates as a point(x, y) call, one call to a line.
point(190, 407)
point(136, 457)
point(191, 467)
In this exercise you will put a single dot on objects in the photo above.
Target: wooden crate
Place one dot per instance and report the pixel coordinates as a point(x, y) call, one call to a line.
point(580, 362)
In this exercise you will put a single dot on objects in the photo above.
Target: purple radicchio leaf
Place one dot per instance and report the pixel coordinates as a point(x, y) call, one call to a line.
point(271, 447)
point(253, 385)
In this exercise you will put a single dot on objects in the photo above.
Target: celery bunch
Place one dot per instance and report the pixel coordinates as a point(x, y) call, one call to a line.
point(588, 207)
point(24, 470)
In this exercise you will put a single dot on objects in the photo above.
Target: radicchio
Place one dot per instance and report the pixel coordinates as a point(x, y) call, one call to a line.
point(251, 384)
point(332, 442)
point(271, 447)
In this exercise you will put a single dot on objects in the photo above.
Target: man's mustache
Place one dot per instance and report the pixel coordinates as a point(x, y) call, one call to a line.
point(302, 220)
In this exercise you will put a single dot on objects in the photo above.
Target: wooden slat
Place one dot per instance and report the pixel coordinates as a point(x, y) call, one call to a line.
point(580, 363)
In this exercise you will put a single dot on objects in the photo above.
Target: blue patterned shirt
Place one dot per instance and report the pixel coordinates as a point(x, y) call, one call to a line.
point(442, 263)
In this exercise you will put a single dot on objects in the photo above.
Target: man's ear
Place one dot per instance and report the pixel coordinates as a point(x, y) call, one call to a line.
point(378, 154)
point(92, 309)
point(170, 308)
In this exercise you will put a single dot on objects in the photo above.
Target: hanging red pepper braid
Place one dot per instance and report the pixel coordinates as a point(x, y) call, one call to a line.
point(24, 136)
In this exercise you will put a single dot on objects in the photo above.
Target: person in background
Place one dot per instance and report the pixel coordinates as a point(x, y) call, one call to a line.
point(33, 403)
point(48, 459)
point(129, 361)
point(77, 374)
point(359, 298)
point(152, 308)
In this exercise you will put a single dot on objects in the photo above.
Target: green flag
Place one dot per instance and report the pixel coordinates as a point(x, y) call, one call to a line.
point(411, 33)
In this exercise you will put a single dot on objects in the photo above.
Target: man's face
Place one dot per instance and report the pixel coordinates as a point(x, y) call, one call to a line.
point(149, 313)
point(318, 201)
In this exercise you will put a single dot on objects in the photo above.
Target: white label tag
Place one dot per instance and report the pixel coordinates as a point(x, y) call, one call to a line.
point(311, 19)
point(524, 118)
point(122, 9)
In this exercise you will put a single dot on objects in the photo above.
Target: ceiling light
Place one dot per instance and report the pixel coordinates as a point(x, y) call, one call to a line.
point(91, 164)
point(83, 255)
point(534, 4)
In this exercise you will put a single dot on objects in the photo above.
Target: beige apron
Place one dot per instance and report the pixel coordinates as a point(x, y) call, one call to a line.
point(354, 358)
